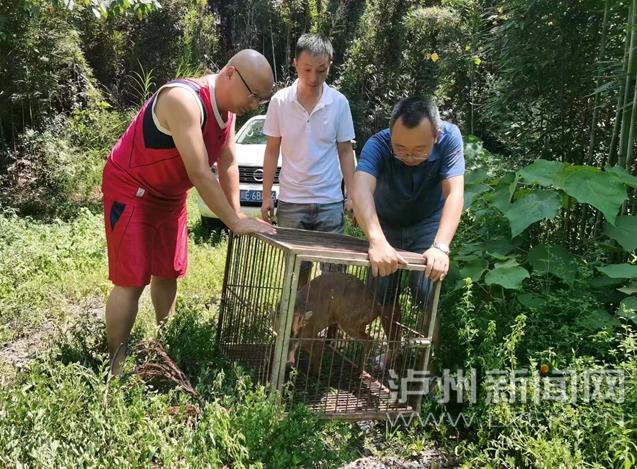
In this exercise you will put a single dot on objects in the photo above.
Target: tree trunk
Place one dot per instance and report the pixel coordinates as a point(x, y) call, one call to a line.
point(276, 79)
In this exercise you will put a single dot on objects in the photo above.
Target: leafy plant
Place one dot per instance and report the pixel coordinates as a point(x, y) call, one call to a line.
point(142, 85)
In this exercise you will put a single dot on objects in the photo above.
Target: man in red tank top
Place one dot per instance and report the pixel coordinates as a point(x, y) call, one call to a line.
point(169, 147)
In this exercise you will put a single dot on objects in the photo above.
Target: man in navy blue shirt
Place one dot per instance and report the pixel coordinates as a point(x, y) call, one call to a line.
point(409, 188)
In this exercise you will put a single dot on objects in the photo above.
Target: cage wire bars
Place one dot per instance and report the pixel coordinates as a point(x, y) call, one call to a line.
point(366, 372)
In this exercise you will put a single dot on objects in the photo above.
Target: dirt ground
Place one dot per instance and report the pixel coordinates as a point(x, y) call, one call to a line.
point(15, 355)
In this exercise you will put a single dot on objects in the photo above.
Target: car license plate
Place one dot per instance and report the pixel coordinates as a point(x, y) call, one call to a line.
point(246, 195)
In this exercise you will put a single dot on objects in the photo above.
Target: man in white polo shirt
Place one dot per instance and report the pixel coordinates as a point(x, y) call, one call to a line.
point(310, 123)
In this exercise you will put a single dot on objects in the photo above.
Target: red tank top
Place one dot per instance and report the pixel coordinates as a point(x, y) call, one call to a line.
point(145, 168)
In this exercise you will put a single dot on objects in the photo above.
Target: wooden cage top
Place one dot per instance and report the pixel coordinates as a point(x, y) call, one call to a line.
point(328, 246)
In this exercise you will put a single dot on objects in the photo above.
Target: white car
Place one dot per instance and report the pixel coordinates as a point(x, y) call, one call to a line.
point(250, 148)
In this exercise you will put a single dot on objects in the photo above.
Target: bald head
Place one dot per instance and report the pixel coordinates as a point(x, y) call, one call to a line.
point(245, 83)
point(255, 70)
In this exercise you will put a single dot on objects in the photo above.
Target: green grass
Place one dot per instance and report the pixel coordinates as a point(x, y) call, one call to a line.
point(50, 268)
point(47, 268)
point(67, 416)
point(60, 411)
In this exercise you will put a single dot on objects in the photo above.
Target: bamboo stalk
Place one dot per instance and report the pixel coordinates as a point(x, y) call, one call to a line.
point(612, 153)
point(583, 222)
point(630, 154)
point(627, 111)
point(602, 52)
point(631, 134)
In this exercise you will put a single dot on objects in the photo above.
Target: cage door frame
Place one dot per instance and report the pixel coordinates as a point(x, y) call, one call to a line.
point(286, 312)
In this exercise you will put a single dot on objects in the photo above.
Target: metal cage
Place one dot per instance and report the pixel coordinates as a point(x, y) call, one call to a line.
point(353, 376)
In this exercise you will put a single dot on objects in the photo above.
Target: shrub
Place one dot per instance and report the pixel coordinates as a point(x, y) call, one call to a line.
point(51, 173)
point(123, 46)
point(42, 68)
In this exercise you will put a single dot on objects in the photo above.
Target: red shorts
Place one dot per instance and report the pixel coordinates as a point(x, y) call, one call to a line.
point(143, 242)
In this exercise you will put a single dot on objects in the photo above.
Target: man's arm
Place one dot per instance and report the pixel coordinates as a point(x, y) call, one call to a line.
point(181, 114)
point(348, 164)
point(229, 172)
point(383, 258)
point(453, 193)
point(270, 162)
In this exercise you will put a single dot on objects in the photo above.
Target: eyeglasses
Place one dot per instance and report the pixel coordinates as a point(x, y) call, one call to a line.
point(259, 99)
point(402, 155)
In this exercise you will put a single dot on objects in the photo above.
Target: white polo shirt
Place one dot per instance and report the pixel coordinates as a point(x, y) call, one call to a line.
point(310, 168)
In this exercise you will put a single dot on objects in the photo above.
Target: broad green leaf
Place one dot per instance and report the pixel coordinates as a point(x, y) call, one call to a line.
point(513, 185)
point(597, 320)
point(501, 198)
point(470, 248)
point(472, 191)
point(629, 289)
point(500, 246)
point(605, 282)
point(624, 231)
point(619, 270)
point(628, 309)
point(474, 269)
point(536, 206)
point(466, 257)
point(507, 178)
point(554, 260)
point(509, 262)
point(531, 300)
point(507, 277)
point(622, 175)
point(542, 172)
point(482, 214)
point(497, 256)
point(592, 186)
point(477, 176)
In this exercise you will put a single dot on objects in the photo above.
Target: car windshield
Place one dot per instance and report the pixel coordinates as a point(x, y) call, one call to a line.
point(253, 134)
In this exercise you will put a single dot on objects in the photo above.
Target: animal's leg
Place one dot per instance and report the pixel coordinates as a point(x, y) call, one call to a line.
point(367, 341)
point(390, 319)
point(292, 352)
point(315, 348)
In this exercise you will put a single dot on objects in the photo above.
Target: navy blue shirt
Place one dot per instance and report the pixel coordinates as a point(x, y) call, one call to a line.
point(407, 195)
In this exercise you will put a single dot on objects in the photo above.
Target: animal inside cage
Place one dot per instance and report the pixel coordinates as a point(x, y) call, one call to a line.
point(300, 309)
